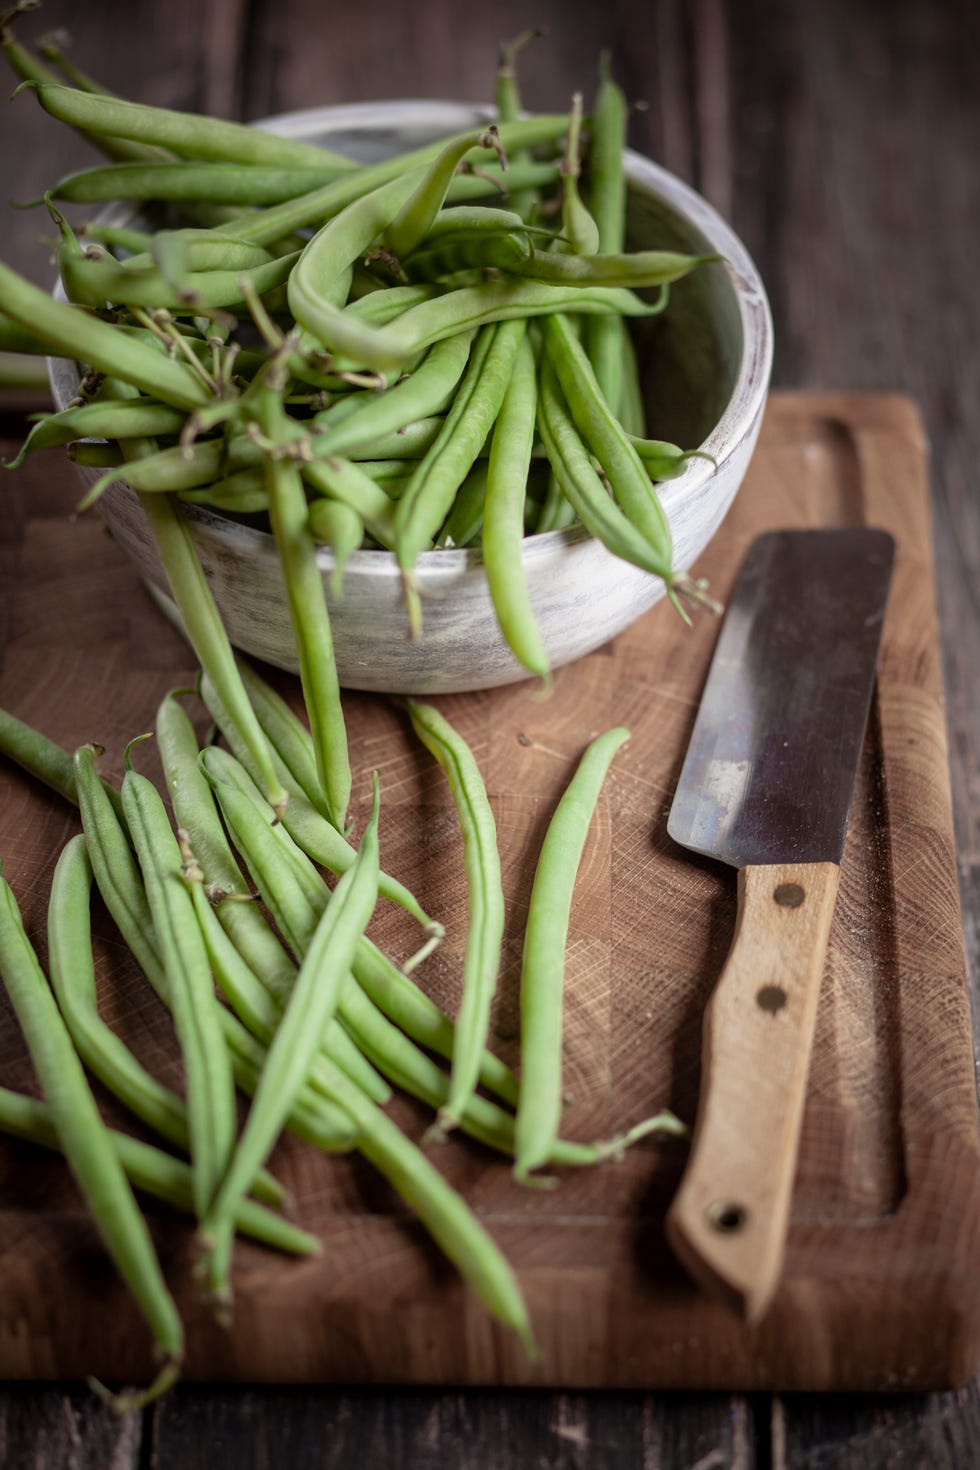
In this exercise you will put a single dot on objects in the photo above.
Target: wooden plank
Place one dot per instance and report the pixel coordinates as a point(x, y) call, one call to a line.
point(469, 1431)
point(65, 1429)
point(888, 1183)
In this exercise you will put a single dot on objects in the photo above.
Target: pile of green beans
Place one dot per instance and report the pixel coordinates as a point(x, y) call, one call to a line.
point(388, 356)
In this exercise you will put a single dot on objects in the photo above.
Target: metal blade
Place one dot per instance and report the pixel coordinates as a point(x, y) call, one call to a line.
point(769, 773)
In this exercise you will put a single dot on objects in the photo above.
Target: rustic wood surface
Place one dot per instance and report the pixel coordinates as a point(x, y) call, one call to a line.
point(886, 1198)
point(841, 142)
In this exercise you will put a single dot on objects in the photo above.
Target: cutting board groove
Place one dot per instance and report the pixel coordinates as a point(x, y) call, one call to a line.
point(881, 1288)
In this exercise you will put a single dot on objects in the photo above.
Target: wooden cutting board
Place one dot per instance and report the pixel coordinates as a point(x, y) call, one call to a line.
point(882, 1284)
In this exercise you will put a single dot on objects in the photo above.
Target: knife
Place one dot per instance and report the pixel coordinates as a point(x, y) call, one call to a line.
point(766, 786)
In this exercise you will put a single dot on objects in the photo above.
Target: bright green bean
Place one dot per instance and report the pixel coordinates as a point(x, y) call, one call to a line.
point(605, 437)
point(265, 966)
point(308, 609)
point(604, 336)
point(543, 965)
point(462, 525)
point(426, 392)
point(485, 902)
point(210, 1087)
point(130, 418)
point(335, 525)
point(503, 520)
point(189, 134)
point(154, 1172)
point(43, 759)
point(414, 218)
point(69, 332)
point(206, 183)
point(311, 1005)
point(94, 282)
point(81, 1132)
point(429, 494)
point(582, 486)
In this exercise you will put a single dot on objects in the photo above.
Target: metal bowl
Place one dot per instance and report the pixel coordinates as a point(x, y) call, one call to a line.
point(705, 367)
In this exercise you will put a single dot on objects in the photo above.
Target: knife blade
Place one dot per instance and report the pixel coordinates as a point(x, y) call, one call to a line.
point(766, 786)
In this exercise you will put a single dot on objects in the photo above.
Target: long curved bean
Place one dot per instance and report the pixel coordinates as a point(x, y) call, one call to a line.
point(73, 333)
point(258, 986)
point(206, 183)
point(503, 514)
point(133, 418)
point(155, 1173)
point(414, 218)
point(428, 495)
point(605, 437)
point(188, 134)
point(607, 198)
point(210, 1085)
point(308, 609)
point(82, 1134)
point(543, 964)
point(312, 1003)
point(485, 900)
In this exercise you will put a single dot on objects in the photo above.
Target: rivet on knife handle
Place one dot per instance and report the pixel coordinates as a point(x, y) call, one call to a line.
point(728, 1220)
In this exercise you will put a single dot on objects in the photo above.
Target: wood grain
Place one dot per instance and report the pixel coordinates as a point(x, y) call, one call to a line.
point(875, 1248)
point(847, 155)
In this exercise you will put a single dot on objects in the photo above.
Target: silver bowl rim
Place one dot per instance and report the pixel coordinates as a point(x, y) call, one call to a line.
point(744, 406)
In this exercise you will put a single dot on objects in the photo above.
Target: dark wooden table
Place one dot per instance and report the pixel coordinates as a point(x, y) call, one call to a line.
point(842, 141)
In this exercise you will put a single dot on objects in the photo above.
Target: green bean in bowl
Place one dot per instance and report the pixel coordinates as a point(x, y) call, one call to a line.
point(521, 371)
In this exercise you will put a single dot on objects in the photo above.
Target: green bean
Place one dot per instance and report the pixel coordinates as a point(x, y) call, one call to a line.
point(316, 837)
point(207, 183)
point(462, 525)
point(475, 219)
point(543, 964)
point(121, 887)
point(415, 1073)
point(335, 525)
point(198, 250)
point(43, 759)
point(259, 1009)
point(556, 510)
point(308, 609)
point(508, 101)
point(503, 521)
point(341, 480)
point(429, 494)
point(456, 254)
point(469, 307)
point(311, 1005)
point(287, 735)
point(210, 1086)
point(207, 635)
point(411, 442)
point(82, 1135)
point(23, 373)
point(241, 493)
point(664, 461)
point(154, 1172)
point(20, 339)
point(105, 1055)
point(265, 965)
point(632, 413)
point(605, 437)
point(445, 1215)
point(414, 218)
point(73, 333)
point(323, 204)
point(426, 392)
point(578, 227)
point(94, 282)
point(116, 237)
point(634, 270)
point(192, 136)
point(604, 336)
point(31, 70)
point(580, 483)
point(485, 902)
point(130, 418)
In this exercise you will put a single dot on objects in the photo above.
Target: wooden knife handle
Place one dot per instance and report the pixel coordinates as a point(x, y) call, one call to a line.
point(728, 1220)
